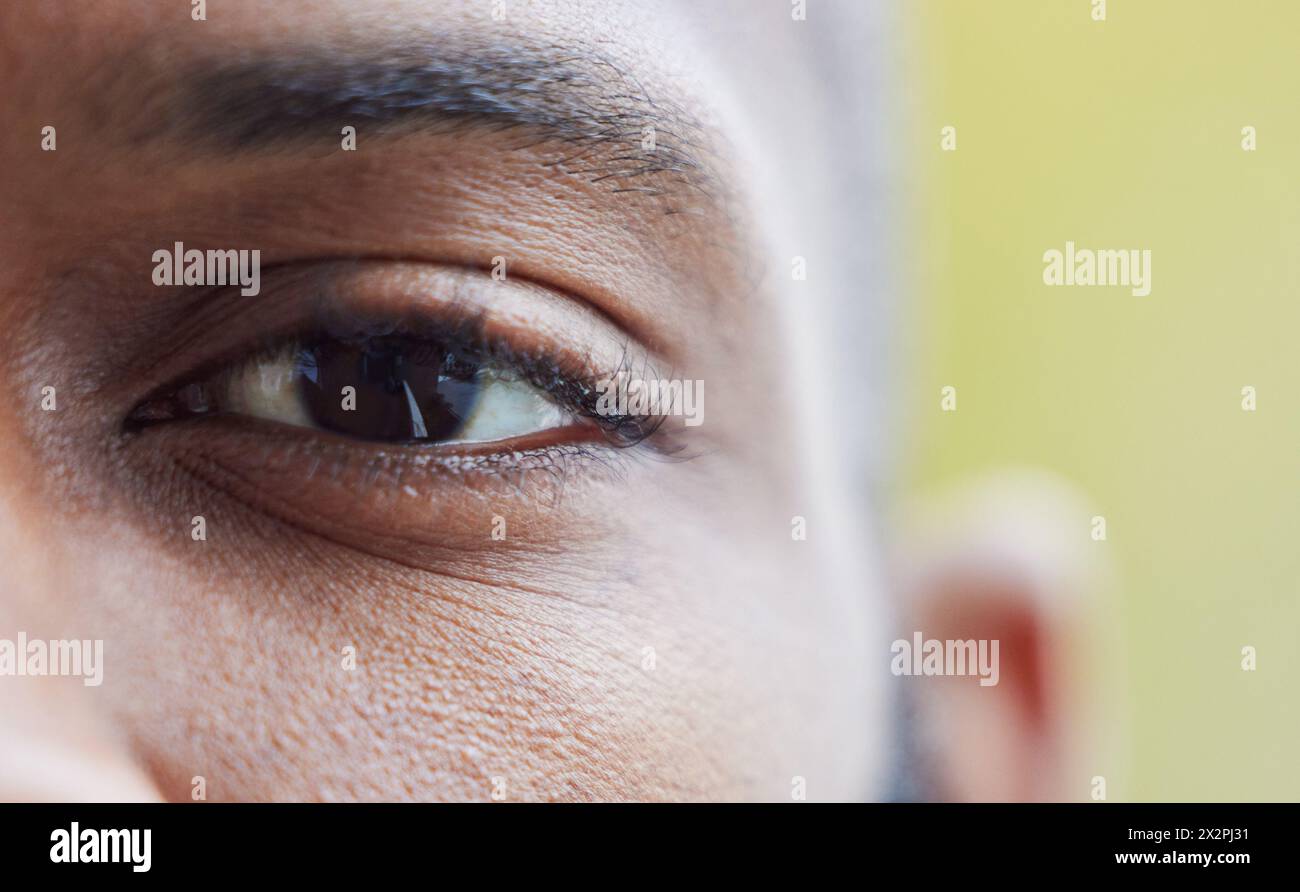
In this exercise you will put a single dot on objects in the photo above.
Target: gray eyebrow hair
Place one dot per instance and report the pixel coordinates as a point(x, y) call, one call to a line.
point(594, 112)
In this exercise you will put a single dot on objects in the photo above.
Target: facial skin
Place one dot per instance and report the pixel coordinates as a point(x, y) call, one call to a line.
point(562, 612)
point(525, 658)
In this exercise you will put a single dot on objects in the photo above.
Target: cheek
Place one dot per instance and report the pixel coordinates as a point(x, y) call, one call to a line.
point(315, 672)
point(677, 657)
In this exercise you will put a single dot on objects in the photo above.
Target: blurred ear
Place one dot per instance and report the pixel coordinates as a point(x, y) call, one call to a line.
point(1010, 564)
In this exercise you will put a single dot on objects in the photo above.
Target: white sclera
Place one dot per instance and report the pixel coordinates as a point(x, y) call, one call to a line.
point(509, 408)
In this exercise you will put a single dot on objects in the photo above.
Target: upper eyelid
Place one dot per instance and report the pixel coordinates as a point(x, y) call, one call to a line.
point(471, 281)
point(566, 373)
point(306, 297)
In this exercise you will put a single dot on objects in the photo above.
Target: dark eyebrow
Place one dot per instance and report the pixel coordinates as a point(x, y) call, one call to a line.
point(593, 112)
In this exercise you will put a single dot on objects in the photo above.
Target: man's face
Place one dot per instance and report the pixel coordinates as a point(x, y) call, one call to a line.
point(385, 600)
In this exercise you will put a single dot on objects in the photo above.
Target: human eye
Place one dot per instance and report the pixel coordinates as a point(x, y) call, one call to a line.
point(401, 387)
point(395, 407)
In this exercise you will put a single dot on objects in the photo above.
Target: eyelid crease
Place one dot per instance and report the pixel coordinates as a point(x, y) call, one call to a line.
point(298, 292)
point(474, 275)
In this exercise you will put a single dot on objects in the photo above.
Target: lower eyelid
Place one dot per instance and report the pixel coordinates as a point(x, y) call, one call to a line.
point(426, 497)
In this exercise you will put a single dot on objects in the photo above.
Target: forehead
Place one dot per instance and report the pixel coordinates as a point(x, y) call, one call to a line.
point(650, 38)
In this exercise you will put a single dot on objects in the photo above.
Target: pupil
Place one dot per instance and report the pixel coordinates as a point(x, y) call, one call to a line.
point(405, 389)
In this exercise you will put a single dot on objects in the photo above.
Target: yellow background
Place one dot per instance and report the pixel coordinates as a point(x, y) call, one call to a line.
point(1127, 134)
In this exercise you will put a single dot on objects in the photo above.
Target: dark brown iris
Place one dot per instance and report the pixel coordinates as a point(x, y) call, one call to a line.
point(404, 389)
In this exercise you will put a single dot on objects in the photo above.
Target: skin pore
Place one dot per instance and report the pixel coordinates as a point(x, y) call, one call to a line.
point(646, 629)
